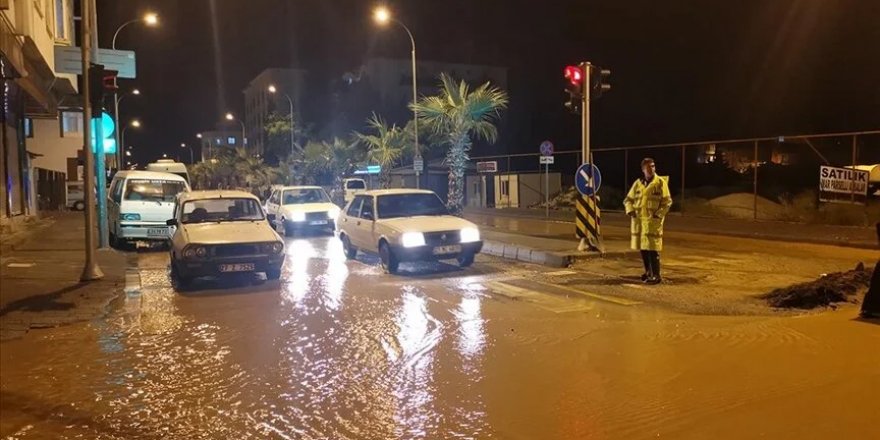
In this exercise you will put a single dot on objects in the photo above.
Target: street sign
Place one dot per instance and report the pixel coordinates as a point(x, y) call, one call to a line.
point(68, 59)
point(487, 167)
point(588, 179)
point(546, 160)
point(547, 148)
point(419, 165)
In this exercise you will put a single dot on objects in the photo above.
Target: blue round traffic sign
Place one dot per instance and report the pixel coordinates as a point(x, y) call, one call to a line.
point(546, 148)
point(588, 179)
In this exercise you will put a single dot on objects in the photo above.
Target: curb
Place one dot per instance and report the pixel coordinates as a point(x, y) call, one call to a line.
point(536, 256)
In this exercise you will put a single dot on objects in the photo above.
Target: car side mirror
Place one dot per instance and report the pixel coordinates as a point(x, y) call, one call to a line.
point(171, 222)
point(270, 217)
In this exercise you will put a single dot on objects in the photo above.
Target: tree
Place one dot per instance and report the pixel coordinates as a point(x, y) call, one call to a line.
point(277, 130)
point(460, 115)
point(384, 148)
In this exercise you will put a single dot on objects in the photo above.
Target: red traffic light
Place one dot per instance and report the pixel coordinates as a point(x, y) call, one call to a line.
point(574, 75)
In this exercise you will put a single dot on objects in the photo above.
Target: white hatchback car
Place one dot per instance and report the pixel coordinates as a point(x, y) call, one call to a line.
point(221, 232)
point(406, 225)
point(301, 207)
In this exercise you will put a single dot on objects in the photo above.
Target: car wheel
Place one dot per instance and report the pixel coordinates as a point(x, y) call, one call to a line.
point(465, 260)
point(389, 260)
point(79, 206)
point(349, 249)
point(115, 242)
point(273, 274)
point(181, 280)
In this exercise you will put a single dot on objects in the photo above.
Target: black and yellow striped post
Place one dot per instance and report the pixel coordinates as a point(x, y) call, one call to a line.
point(588, 223)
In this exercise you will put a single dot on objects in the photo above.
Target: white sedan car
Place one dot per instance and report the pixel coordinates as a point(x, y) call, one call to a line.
point(406, 225)
point(298, 208)
point(222, 232)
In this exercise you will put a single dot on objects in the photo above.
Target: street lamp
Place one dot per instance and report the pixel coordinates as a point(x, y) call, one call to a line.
point(273, 90)
point(230, 117)
point(150, 19)
point(192, 159)
point(382, 16)
point(135, 92)
point(134, 123)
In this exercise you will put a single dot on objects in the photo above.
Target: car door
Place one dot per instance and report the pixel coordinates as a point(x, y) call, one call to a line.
point(348, 223)
point(273, 205)
point(366, 224)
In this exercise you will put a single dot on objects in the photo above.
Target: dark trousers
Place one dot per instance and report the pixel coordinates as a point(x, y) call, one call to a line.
point(871, 303)
point(651, 260)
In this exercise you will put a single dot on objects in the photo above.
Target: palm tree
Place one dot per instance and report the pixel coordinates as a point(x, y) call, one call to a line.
point(461, 115)
point(384, 148)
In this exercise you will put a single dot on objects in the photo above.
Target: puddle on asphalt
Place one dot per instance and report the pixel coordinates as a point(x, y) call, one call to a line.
point(338, 350)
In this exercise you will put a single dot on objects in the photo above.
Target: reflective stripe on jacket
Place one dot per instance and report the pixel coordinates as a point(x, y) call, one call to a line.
point(650, 201)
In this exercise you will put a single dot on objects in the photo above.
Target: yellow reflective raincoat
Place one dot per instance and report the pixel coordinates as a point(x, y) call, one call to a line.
point(650, 202)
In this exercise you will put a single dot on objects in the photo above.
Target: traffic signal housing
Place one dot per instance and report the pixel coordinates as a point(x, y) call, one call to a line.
point(101, 83)
point(574, 77)
point(602, 81)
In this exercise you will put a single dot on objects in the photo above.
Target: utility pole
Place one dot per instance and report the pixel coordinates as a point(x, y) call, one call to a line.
point(91, 270)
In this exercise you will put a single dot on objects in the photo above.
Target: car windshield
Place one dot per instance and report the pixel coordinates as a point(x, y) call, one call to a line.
point(153, 190)
point(409, 205)
point(305, 195)
point(221, 210)
point(355, 184)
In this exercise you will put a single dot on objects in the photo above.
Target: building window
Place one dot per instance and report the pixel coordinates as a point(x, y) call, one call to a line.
point(71, 124)
point(28, 127)
point(61, 19)
point(230, 140)
point(218, 141)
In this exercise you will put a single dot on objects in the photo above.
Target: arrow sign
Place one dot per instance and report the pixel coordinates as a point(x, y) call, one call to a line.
point(588, 179)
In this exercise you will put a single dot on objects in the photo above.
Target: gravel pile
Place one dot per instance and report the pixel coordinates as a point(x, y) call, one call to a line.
point(828, 289)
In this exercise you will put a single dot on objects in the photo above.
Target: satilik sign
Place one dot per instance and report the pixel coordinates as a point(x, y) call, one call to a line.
point(842, 184)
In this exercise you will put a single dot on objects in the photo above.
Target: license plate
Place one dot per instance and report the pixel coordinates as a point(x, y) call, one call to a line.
point(242, 267)
point(157, 232)
point(442, 250)
point(318, 222)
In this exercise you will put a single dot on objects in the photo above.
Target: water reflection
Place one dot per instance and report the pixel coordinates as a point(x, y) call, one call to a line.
point(332, 282)
point(299, 252)
point(471, 335)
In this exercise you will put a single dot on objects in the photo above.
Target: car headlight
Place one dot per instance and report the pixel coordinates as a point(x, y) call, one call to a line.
point(273, 248)
point(412, 239)
point(129, 217)
point(195, 252)
point(333, 213)
point(297, 216)
point(470, 235)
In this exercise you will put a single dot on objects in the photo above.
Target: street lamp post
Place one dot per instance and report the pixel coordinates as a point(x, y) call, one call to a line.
point(230, 117)
point(272, 89)
point(134, 123)
point(192, 159)
point(150, 19)
point(382, 16)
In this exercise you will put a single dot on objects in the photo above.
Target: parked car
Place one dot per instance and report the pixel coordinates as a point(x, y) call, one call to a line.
point(406, 225)
point(352, 187)
point(301, 207)
point(222, 232)
point(139, 203)
point(75, 196)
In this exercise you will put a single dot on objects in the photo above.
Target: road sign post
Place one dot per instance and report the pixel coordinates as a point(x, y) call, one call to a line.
point(588, 179)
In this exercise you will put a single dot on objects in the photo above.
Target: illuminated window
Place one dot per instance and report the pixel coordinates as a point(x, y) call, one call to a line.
point(71, 124)
point(230, 140)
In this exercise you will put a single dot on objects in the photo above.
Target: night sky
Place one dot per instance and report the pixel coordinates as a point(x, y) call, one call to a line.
point(682, 70)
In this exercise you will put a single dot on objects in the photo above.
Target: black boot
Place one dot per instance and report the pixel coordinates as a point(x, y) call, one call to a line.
point(654, 278)
point(646, 261)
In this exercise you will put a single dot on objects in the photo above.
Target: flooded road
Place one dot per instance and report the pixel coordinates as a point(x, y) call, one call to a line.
point(339, 350)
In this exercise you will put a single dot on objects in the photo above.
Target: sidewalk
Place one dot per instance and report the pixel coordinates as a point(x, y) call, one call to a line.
point(39, 278)
point(847, 236)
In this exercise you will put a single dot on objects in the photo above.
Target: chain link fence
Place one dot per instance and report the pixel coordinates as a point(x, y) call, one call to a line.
point(772, 178)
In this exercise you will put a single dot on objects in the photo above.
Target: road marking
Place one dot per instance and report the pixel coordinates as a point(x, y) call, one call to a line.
point(132, 282)
point(21, 265)
point(540, 299)
point(611, 299)
point(561, 273)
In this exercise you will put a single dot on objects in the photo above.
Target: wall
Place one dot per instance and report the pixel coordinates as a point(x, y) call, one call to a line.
point(55, 149)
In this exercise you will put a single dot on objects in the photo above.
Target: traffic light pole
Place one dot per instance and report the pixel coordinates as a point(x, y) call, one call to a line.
point(91, 270)
point(100, 157)
point(585, 114)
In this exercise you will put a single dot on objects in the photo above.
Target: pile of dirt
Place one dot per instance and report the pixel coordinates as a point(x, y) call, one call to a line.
point(831, 288)
point(742, 205)
point(565, 200)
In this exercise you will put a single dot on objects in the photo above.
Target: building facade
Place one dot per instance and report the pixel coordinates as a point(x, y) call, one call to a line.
point(212, 142)
point(260, 102)
point(32, 91)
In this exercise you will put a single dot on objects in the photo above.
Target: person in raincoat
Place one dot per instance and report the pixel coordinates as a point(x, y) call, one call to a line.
point(647, 203)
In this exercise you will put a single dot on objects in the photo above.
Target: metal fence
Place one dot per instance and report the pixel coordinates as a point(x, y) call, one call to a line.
point(770, 178)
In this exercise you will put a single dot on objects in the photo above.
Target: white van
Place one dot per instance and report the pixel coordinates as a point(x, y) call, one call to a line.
point(352, 187)
point(169, 166)
point(139, 203)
